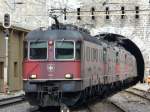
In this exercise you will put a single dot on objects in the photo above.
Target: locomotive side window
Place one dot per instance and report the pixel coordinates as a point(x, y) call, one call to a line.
point(105, 55)
point(64, 50)
point(117, 57)
point(78, 50)
point(125, 59)
point(100, 55)
point(89, 56)
point(38, 50)
point(95, 54)
point(92, 54)
point(88, 53)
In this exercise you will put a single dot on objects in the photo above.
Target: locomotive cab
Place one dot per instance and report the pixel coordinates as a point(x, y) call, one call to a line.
point(52, 64)
point(52, 54)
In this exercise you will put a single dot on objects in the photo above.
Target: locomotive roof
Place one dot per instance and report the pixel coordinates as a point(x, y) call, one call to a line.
point(59, 34)
point(56, 34)
point(70, 32)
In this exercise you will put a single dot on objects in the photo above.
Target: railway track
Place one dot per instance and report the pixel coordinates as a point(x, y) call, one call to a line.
point(139, 93)
point(121, 108)
point(13, 100)
point(118, 104)
point(114, 104)
point(131, 100)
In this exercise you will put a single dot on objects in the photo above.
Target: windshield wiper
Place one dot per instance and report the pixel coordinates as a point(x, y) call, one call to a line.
point(61, 42)
point(37, 40)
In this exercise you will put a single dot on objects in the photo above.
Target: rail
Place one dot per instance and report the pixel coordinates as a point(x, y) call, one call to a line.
point(11, 100)
point(139, 93)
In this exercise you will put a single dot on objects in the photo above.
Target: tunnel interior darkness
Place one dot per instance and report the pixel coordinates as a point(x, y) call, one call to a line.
point(129, 46)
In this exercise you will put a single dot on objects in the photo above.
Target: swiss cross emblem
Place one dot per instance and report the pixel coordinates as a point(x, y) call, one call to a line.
point(51, 67)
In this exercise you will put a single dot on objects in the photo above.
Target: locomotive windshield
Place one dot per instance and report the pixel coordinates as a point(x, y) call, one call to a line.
point(64, 49)
point(38, 50)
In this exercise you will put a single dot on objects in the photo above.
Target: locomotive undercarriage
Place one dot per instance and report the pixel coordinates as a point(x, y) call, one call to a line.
point(51, 95)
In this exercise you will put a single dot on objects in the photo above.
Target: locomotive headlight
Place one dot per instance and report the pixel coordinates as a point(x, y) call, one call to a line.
point(33, 76)
point(68, 76)
point(50, 42)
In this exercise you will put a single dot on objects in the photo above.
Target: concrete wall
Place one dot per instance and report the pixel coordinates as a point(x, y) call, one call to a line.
point(15, 58)
point(30, 14)
point(2, 58)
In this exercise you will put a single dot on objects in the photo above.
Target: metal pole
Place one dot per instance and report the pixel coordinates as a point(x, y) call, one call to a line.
point(6, 25)
point(6, 66)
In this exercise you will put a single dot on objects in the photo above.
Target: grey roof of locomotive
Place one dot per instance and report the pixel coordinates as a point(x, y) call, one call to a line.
point(69, 33)
point(54, 35)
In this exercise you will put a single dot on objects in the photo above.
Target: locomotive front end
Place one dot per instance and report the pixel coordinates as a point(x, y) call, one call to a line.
point(51, 70)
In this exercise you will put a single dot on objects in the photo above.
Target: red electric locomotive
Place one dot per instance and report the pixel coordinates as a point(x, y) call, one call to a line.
point(63, 64)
